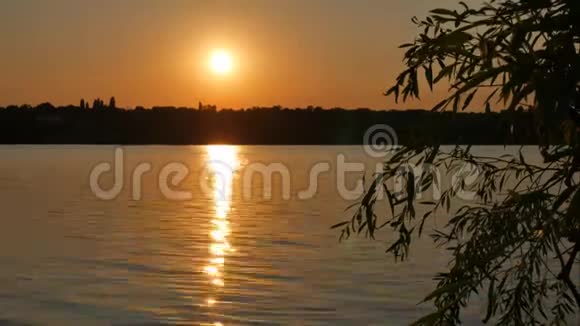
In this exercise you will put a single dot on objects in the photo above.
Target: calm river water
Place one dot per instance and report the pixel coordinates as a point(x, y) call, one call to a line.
point(212, 249)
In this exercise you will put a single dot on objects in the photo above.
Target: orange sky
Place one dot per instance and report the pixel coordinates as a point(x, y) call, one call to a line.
point(154, 52)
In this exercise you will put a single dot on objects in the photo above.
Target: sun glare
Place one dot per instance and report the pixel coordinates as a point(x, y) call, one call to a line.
point(221, 62)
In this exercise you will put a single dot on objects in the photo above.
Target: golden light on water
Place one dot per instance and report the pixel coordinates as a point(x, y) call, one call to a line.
point(217, 282)
point(222, 162)
point(212, 270)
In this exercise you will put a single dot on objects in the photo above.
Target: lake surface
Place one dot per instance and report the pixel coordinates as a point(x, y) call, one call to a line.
point(218, 252)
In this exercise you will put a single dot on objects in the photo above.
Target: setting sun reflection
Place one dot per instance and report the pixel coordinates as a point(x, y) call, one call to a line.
point(222, 162)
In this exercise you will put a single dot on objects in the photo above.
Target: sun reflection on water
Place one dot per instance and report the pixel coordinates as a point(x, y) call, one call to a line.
point(222, 162)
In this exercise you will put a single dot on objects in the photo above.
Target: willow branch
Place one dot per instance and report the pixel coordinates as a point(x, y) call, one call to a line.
point(565, 273)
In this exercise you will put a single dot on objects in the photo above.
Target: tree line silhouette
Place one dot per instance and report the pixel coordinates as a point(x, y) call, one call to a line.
point(108, 124)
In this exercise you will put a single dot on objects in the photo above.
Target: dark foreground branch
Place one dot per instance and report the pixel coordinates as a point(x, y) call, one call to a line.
point(565, 273)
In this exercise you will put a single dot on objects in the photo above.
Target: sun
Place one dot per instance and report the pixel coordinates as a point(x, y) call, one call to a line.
point(221, 62)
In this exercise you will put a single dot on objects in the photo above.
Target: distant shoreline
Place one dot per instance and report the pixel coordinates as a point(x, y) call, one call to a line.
point(73, 125)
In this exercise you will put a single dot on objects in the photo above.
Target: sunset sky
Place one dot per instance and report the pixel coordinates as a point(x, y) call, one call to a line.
point(157, 52)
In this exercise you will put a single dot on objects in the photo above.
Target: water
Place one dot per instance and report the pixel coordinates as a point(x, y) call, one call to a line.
point(217, 258)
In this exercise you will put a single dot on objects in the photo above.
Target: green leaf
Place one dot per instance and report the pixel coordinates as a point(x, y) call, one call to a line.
point(440, 105)
point(456, 104)
point(574, 208)
point(444, 12)
point(446, 71)
point(563, 197)
point(468, 100)
point(454, 39)
point(425, 216)
point(336, 226)
point(390, 200)
point(410, 188)
point(429, 75)
point(490, 301)
point(451, 287)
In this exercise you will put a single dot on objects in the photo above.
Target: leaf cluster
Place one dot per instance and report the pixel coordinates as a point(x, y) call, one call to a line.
point(517, 241)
